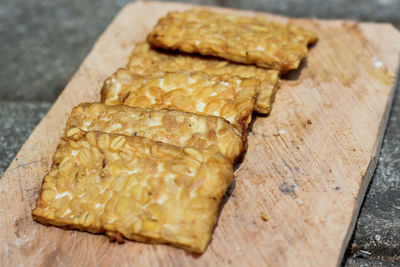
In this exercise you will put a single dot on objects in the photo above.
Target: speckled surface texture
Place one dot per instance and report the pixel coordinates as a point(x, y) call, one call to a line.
point(44, 41)
point(17, 121)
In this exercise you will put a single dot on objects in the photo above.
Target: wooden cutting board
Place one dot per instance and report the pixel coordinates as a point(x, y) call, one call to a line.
point(307, 166)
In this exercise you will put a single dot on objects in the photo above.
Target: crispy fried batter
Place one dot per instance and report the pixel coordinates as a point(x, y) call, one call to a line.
point(145, 60)
point(241, 39)
point(135, 188)
point(227, 96)
point(168, 126)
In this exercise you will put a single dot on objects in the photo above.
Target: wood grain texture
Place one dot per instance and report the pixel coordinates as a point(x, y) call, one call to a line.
point(307, 166)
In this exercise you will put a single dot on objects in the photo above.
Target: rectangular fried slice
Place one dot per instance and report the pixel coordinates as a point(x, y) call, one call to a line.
point(169, 126)
point(227, 96)
point(246, 40)
point(134, 188)
point(146, 60)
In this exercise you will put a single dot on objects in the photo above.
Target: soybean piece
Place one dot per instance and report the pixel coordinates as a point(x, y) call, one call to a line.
point(248, 40)
point(146, 60)
point(227, 96)
point(134, 188)
point(169, 126)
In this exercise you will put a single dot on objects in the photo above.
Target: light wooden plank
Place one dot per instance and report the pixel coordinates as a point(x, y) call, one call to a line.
point(307, 166)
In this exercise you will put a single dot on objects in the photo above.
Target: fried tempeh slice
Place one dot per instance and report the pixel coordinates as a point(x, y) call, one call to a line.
point(146, 60)
point(249, 40)
point(227, 96)
point(134, 188)
point(169, 126)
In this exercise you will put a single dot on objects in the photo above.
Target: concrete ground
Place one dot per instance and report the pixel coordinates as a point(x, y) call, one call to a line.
point(42, 43)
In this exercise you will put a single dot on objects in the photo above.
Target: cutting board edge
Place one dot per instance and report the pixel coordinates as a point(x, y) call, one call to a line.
point(372, 165)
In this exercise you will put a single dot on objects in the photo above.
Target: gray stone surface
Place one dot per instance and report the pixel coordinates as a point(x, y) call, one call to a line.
point(365, 10)
point(42, 43)
point(17, 120)
point(363, 262)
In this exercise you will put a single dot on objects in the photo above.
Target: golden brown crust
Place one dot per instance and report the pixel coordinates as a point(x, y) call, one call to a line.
point(135, 188)
point(227, 96)
point(240, 39)
point(169, 126)
point(146, 60)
